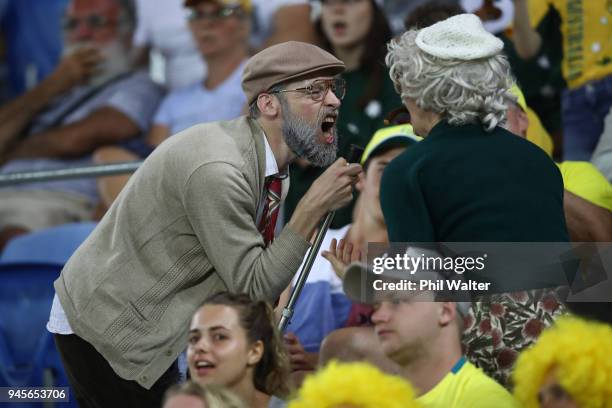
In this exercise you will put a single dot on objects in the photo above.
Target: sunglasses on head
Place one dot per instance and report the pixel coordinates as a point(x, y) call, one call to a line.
point(216, 15)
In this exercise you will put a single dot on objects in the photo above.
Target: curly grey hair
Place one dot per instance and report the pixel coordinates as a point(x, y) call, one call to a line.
point(461, 91)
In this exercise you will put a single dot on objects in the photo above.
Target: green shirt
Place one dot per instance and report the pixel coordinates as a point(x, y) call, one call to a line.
point(463, 184)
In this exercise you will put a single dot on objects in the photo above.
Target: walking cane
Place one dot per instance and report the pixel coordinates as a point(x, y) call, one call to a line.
point(354, 155)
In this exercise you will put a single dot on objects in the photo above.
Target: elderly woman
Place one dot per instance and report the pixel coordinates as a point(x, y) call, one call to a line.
point(469, 180)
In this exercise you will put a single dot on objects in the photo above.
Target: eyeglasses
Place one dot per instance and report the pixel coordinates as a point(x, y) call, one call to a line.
point(93, 21)
point(318, 89)
point(213, 16)
point(398, 116)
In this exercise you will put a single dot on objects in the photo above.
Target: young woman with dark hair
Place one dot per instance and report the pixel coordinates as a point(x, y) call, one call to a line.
point(233, 342)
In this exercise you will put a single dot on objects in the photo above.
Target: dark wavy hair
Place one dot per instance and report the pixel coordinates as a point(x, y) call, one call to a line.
point(258, 321)
point(431, 13)
point(373, 57)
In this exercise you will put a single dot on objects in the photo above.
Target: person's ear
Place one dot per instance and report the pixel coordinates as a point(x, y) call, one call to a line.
point(447, 313)
point(523, 122)
point(255, 353)
point(268, 105)
point(360, 185)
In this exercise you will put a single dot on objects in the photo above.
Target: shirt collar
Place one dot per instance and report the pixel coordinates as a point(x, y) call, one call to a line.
point(458, 365)
point(271, 166)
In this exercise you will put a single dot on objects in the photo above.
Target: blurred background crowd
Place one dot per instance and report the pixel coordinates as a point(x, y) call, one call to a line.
point(99, 82)
point(87, 82)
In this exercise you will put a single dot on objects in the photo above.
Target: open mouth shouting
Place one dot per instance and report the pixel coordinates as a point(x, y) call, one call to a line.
point(339, 28)
point(328, 128)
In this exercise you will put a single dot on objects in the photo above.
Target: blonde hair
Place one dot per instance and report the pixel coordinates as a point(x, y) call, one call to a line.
point(358, 384)
point(579, 353)
point(213, 396)
point(461, 91)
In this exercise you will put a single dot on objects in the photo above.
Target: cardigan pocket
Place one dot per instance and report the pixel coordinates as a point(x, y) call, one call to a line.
point(141, 328)
point(130, 328)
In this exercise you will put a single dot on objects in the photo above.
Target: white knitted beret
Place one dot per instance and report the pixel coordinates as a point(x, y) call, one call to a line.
point(459, 37)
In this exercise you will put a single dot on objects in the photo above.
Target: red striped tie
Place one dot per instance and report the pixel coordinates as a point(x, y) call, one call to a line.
point(267, 223)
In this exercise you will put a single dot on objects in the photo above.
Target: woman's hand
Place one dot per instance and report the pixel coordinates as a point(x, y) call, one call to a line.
point(340, 255)
point(300, 359)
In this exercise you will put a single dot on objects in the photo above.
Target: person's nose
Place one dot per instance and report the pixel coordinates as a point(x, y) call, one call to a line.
point(380, 315)
point(202, 345)
point(82, 31)
point(337, 6)
point(206, 22)
point(332, 100)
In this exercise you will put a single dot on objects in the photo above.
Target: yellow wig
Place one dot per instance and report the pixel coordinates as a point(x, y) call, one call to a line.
point(354, 384)
point(579, 352)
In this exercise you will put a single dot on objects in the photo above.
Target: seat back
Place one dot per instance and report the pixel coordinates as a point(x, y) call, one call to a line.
point(26, 293)
point(49, 246)
point(28, 267)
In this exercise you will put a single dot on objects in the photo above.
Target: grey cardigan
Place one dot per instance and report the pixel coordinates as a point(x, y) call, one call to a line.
point(182, 229)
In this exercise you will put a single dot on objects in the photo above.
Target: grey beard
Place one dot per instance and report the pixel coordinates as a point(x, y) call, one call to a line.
point(302, 138)
point(116, 60)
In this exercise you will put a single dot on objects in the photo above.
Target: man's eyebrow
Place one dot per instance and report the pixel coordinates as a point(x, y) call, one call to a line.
point(213, 328)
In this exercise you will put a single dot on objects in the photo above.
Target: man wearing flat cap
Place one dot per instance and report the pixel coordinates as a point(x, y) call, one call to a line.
point(198, 218)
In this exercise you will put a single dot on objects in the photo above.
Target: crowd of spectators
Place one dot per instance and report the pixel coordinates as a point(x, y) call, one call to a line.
point(101, 81)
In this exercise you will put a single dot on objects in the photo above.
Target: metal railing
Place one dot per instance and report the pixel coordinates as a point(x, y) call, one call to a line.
point(99, 170)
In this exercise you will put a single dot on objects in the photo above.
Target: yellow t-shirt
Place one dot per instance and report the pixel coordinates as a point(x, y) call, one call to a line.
point(467, 386)
point(537, 11)
point(586, 181)
point(586, 27)
point(536, 133)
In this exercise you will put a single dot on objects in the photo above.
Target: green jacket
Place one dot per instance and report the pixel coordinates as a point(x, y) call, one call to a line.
point(463, 184)
point(182, 229)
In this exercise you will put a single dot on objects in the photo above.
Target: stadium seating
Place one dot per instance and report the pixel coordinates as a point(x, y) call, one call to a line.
point(28, 267)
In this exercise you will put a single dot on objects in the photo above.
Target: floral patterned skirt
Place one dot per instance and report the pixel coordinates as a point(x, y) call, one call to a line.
point(500, 326)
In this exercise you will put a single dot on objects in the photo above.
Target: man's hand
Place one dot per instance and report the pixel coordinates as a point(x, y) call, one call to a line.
point(17, 114)
point(76, 68)
point(298, 357)
point(340, 255)
point(332, 190)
